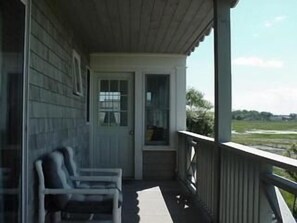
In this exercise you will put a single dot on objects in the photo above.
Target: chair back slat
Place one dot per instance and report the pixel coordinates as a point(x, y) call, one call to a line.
point(56, 177)
point(69, 160)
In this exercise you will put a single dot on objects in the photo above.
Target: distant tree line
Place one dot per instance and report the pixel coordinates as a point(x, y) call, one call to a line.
point(200, 117)
point(260, 116)
point(251, 115)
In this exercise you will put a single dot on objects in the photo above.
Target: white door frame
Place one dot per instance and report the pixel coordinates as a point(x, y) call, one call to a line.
point(25, 117)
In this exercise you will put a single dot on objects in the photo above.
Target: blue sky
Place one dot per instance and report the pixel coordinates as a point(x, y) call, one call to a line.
point(264, 57)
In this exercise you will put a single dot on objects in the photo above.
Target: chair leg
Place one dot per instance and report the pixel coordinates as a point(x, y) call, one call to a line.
point(91, 217)
point(41, 209)
point(55, 217)
point(116, 213)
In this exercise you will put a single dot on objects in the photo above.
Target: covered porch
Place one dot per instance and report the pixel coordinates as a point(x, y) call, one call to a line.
point(107, 78)
point(118, 71)
point(230, 183)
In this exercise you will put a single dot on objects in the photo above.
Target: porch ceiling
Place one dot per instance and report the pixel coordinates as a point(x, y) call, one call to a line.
point(139, 26)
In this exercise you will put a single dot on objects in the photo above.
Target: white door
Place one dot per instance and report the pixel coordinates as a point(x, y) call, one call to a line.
point(113, 122)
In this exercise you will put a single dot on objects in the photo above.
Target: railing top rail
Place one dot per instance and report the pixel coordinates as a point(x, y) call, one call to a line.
point(197, 136)
point(274, 159)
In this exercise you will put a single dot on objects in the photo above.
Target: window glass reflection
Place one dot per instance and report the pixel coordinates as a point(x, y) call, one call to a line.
point(157, 110)
point(12, 17)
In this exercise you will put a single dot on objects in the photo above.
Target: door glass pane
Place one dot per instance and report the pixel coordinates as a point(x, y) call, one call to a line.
point(113, 86)
point(12, 18)
point(124, 119)
point(157, 110)
point(104, 86)
point(103, 118)
point(115, 119)
point(124, 87)
point(112, 101)
point(124, 103)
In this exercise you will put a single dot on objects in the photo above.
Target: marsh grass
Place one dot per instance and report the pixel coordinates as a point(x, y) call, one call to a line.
point(282, 141)
point(242, 126)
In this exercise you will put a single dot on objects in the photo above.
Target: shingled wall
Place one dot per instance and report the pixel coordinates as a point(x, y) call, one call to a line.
point(57, 117)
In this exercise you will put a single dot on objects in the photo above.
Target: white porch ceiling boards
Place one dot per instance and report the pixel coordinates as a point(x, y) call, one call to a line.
point(139, 26)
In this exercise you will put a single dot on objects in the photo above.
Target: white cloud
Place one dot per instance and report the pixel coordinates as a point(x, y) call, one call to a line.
point(280, 18)
point(280, 100)
point(256, 35)
point(268, 24)
point(274, 21)
point(258, 62)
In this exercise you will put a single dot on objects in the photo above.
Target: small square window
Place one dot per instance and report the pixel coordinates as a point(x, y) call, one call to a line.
point(76, 74)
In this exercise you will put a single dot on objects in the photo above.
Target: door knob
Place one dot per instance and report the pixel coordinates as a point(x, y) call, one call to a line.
point(131, 132)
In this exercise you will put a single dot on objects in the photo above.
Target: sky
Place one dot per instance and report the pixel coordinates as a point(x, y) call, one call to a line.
point(264, 57)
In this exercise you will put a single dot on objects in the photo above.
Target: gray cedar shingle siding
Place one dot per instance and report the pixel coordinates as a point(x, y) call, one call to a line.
point(56, 115)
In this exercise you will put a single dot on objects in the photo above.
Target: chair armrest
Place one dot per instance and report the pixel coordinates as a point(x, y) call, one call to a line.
point(101, 169)
point(115, 179)
point(95, 178)
point(80, 191)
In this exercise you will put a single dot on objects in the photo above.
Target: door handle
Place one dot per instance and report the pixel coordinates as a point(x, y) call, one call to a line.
point(131, 132)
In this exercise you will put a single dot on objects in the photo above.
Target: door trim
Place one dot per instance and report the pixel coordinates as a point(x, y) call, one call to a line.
point(25, 116)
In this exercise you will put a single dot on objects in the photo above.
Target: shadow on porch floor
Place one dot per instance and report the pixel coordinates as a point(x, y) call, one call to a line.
point(158, 202)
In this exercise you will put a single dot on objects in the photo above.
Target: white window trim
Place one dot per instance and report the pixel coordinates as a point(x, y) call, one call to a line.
point(76, 79)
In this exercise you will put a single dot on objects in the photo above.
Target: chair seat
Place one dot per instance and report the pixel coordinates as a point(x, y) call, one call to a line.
point(91, 204)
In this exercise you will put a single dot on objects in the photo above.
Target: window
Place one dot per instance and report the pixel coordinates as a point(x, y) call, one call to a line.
point(113, 103)
point(76, 72)
point(157, 110)
point(12, 32)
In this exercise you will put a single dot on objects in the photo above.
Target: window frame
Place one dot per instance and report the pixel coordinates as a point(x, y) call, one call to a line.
point(76, 74)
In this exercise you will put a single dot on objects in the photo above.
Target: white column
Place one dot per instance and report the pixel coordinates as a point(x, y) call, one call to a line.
point(223, 97)
point(222, 53)
point(138, 129)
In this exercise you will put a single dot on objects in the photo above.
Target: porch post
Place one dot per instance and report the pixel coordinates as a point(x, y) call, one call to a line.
point(222, 53)
point(223, 97)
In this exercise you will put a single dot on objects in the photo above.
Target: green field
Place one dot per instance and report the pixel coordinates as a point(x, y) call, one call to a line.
point(282, 140)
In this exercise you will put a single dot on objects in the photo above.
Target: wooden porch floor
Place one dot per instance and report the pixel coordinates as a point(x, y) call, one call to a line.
point(158, 202)
point(155, 202)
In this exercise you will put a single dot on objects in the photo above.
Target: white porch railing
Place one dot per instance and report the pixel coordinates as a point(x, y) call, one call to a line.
point(235, 183)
